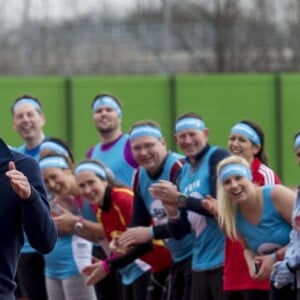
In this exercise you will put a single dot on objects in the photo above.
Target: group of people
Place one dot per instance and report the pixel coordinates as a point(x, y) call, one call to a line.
point(138, 221)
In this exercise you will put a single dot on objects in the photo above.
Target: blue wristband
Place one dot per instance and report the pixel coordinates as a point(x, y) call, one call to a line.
point(151, 232)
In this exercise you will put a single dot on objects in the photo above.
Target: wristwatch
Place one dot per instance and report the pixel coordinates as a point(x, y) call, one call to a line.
point(182, 198)
point(79, 224)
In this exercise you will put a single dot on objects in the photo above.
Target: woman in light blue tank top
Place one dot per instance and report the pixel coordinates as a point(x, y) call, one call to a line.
point(259, 216)
point(63, 266)
point(72, 253)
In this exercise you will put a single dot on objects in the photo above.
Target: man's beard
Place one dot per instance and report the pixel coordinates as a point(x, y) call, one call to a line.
point(107, 131)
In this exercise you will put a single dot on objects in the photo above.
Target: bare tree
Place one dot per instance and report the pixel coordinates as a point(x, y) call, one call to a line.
point(168, 36)
point(293, 10)
point(25, 41)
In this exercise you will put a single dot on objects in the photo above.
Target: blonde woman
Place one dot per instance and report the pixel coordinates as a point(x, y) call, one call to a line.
point(259, 216)
point(246, 140)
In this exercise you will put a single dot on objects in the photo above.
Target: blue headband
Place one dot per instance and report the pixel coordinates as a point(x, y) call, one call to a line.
point(246, 131)
point(234, 169)
point(52, 146)
point(145, 130)
point(189, 123)
point(107, 101)
point(297, 142)
point(28, 101)
point(53, 162)
point(91, 167)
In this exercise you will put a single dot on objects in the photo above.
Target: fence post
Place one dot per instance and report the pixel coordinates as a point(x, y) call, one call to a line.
point(173, 108)
point(69, 110)
point(278, 124)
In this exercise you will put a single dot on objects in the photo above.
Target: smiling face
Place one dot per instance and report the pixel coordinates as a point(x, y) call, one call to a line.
point(241, 146)
point(149, 152)
point(58, 181)
point(91, 186)
point(106, 119)
point(28, 122)
point(238, 188)
point(192, 141)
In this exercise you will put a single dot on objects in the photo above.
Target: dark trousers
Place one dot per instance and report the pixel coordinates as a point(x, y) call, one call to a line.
point(138, 289)
point(30, 276)
point(157, 288)
point(246, 295)
point(286, 292)
point(181, 280)
point(207, 285)
point(110, 287)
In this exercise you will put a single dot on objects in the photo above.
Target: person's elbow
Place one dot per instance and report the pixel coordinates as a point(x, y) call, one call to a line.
point(47, 243)
point(49, 246)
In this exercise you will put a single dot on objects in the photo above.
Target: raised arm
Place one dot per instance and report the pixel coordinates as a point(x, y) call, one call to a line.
point(26, 181)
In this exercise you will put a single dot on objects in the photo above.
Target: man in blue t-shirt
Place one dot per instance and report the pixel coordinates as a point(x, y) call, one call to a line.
point(197, 181)
point(28, 121)
point(114, 146)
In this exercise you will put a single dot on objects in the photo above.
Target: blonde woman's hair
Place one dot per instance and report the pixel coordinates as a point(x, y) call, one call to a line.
point(226, 207)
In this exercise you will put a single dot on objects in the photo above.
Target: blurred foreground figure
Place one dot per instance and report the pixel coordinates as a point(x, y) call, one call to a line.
point(24, 207)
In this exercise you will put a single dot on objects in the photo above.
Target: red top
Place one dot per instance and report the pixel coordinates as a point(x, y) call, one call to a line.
point(116, 220)
point(236, 273)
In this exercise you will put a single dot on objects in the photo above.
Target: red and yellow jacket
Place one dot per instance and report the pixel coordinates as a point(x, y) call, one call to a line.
point(115, 215)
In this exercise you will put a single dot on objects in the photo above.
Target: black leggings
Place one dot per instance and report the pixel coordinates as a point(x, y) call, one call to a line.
point(30, 276)
point(246, 295)
point(110, 287)
point(180, 280)
point(286, 292)
point(207, 285)
point(138, 289)
point(157, 288)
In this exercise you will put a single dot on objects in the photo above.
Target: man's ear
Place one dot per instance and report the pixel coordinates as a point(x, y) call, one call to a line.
point(206, 133)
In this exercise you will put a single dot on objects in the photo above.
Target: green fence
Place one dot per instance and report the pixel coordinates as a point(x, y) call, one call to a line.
point(222, 100)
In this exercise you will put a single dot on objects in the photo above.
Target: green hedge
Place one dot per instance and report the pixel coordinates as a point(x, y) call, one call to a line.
point(222, 100)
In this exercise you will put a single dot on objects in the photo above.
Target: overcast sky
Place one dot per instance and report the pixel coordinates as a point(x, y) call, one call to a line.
point(67, 8)
point(12, 11)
